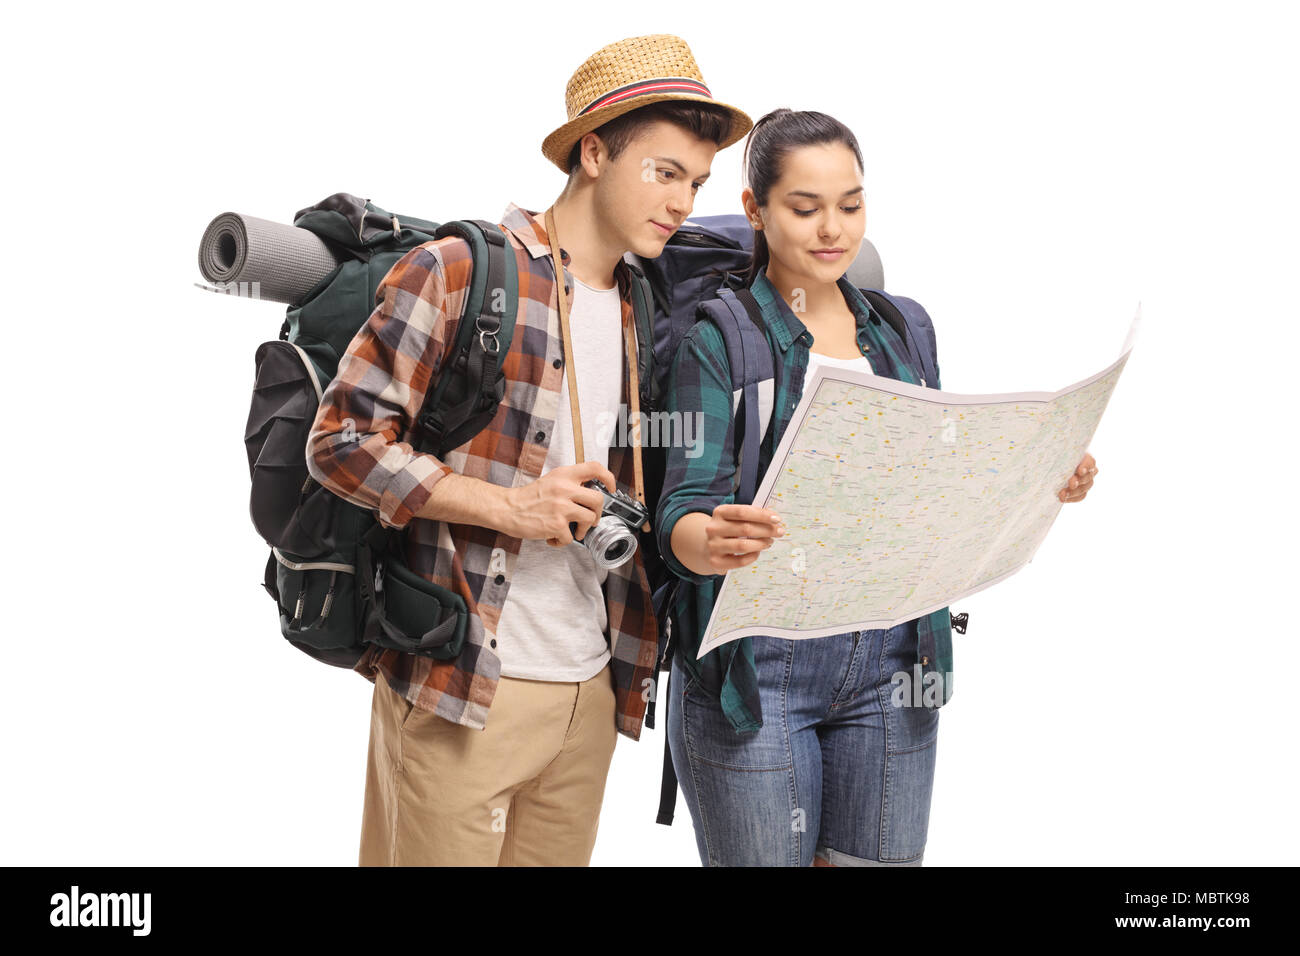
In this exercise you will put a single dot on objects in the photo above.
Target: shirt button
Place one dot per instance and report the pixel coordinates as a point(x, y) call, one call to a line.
point(493, 642)
point(500, 579)
point(539, 436)
point(556, 363)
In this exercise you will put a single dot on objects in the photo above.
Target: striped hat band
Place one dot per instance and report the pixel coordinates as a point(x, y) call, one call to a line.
point(670, 84)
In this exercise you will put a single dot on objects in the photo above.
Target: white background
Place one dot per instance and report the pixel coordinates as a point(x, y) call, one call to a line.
point(1033, 170)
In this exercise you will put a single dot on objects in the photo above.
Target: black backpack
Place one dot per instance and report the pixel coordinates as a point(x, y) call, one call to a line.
point(336, 573)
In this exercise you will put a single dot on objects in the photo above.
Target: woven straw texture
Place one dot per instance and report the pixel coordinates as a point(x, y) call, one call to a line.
point(658, 56)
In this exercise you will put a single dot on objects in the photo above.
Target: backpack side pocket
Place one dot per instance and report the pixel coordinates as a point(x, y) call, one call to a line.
point(319, 610)
point(416, 616)
point(286, 396)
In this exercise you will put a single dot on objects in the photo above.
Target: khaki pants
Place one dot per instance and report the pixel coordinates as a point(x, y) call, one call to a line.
point(525, 791)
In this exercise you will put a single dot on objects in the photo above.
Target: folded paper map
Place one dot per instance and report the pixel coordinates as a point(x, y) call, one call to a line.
point(899, 500)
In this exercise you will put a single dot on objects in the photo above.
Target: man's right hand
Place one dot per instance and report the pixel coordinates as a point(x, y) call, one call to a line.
point(735, 535)
point(544, 508)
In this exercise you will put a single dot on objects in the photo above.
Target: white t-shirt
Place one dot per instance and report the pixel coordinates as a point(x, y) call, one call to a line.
point(860, 364)
point(552, 626)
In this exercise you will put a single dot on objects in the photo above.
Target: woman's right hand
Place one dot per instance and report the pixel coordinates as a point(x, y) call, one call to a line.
point(736, 534)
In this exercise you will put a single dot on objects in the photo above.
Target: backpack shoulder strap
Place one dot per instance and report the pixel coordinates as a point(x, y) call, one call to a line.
point(739, 319)
point(643, 318)
point(472, 385)
point(914, 328)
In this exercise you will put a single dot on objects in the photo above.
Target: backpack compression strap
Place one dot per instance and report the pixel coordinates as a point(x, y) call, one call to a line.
point(668, 779)
point(472, 385)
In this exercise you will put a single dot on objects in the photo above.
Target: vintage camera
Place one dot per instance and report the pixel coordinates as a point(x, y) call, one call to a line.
point(612, 539)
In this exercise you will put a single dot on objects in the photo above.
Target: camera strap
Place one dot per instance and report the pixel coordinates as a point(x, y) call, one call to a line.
point(629, 342)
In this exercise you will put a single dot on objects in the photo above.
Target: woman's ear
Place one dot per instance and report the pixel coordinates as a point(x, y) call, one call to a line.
point(751, 208)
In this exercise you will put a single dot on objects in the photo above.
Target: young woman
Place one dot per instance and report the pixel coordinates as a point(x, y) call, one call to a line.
point(793, 752)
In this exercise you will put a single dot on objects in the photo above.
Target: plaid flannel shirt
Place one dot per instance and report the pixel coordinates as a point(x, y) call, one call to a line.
point(700, 383)
point(360, 449)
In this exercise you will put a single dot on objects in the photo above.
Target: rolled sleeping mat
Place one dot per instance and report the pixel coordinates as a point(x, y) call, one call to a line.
point(867, 271)
point(285, 261)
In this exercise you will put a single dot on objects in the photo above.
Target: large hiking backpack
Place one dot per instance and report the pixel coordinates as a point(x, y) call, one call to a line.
point(337, 574)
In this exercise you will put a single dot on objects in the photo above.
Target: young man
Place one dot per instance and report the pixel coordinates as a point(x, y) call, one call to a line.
point(500, 756)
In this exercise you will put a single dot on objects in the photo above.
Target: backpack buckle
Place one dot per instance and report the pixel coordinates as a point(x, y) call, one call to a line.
point(431, 427)
point(489, 332)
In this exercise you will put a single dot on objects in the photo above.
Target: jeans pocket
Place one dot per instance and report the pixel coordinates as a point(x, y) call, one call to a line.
point(711, 737)
point(912, 670)
point(690, 685)
point(911, 748)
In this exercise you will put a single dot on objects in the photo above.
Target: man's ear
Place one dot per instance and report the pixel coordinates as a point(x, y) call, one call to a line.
point(592, 154)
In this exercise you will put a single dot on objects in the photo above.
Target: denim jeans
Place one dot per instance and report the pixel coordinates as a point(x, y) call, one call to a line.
point(836, 769)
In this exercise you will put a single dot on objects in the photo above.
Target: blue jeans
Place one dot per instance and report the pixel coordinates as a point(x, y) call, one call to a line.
point(836, 768)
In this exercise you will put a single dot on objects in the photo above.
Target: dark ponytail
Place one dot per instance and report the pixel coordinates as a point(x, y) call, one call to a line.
point(774, 136)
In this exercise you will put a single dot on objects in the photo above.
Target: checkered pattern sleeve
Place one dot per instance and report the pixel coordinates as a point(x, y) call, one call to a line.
point(355, 448)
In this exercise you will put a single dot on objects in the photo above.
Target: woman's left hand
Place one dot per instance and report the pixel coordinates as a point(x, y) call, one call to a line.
point(1080, 482)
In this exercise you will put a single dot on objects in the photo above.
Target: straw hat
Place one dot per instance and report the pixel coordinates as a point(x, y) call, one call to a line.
point(625, 76)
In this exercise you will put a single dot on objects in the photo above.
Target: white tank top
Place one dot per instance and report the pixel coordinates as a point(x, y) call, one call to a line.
point(860, 364)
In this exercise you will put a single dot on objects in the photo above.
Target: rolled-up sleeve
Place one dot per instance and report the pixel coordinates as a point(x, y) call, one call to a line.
point(699, 477)
point(354, 448)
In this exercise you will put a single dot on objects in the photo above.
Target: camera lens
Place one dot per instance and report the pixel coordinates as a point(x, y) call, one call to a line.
point(610, 542)
point(616, 552)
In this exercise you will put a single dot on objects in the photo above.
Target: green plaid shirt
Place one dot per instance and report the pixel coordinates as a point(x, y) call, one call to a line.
point(700, 382)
